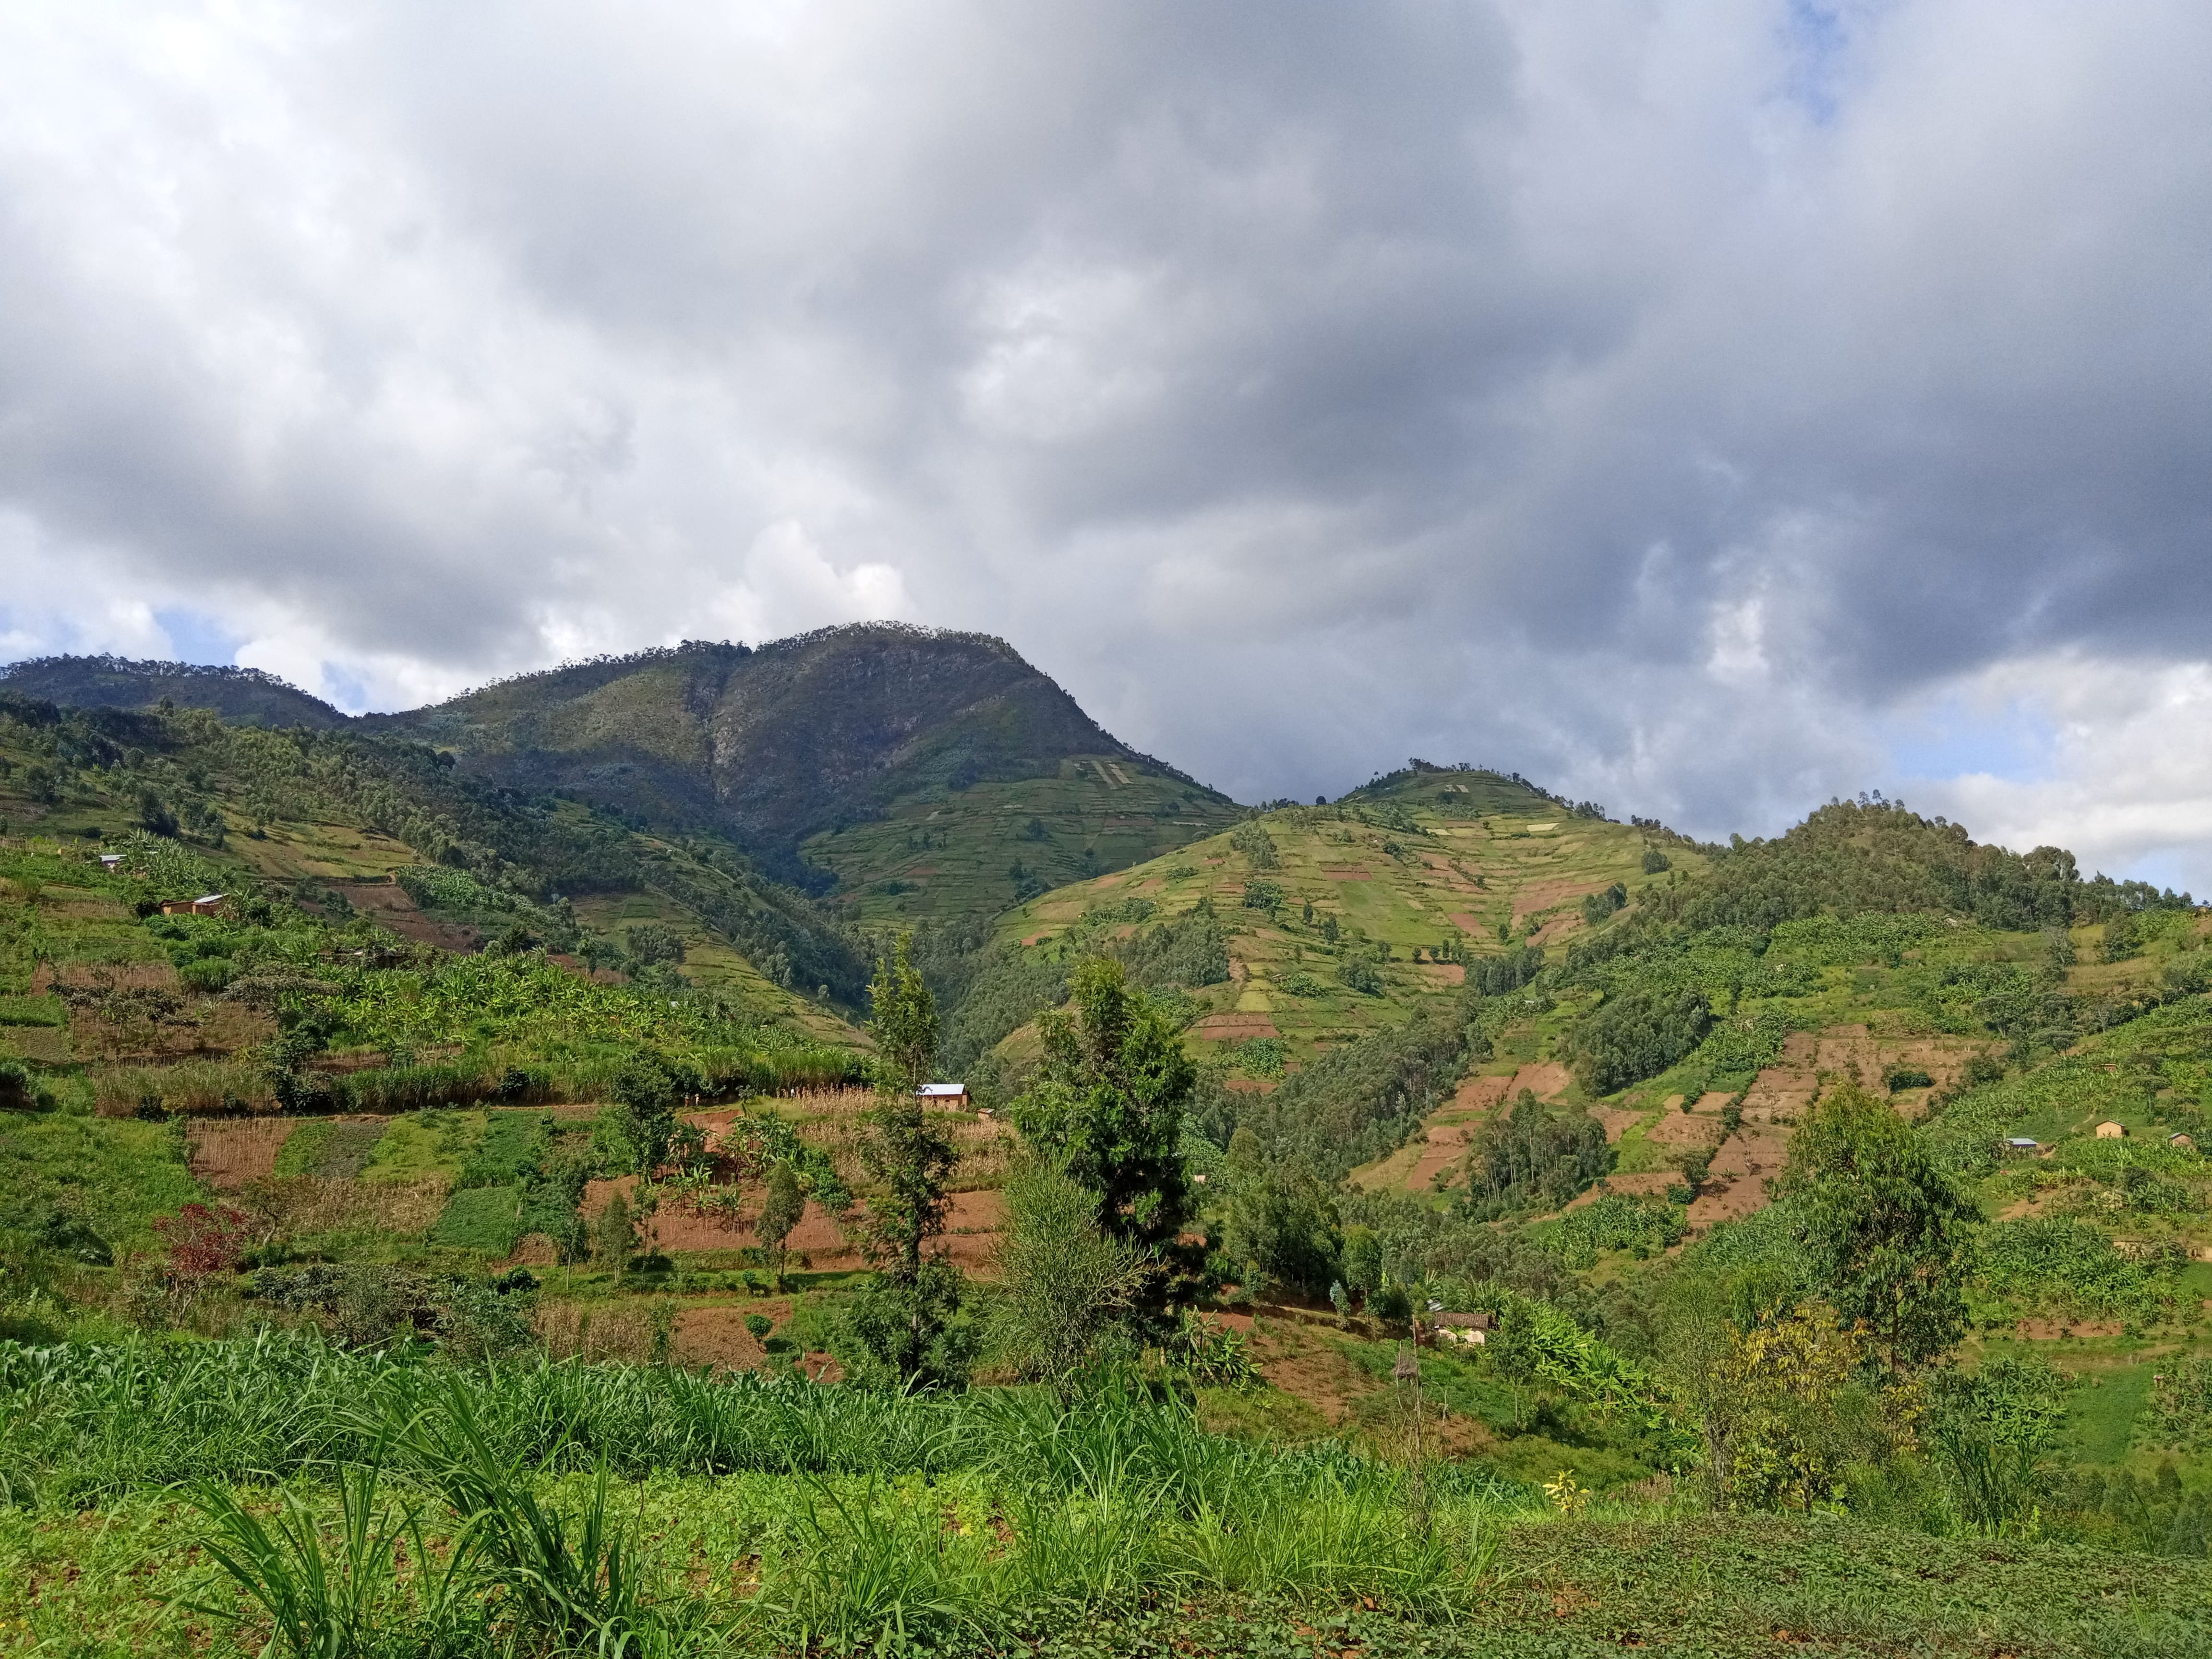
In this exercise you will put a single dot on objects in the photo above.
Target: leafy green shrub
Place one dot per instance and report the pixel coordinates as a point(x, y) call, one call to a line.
point(2069, 1267)
point(19, 1090)
point(1613, 1221)
point(1262, 1056)
point(1257, 846)
point(1263, 896)
point(1898, 1075)
point(2181, 1414)
point(1597, 906)
point(509, 1152)
point(1636, 1034)
point(1360, 974)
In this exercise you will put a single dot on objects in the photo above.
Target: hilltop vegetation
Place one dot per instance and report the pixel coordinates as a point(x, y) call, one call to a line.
point(315, 811)
point(796, 744)
point(922, 774)
point(248, 696)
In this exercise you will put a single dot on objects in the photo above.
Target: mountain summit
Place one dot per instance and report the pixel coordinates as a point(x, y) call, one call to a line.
point(923, 773)
point(776, 743)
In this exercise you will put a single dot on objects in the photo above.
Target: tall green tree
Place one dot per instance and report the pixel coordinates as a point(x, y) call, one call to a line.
point(782, 1210)
point(904, 1321)
point(1107, 1103)
point(1065, 1287)
point(1890, 1235)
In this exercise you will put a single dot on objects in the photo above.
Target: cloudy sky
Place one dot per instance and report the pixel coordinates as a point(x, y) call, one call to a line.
point(1707, 408)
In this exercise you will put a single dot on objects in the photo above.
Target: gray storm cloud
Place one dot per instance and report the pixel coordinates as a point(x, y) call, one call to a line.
point(1667, 400)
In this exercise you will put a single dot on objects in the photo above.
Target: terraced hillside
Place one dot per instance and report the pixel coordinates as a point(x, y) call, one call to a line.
point(345, 828)
point(1341, 920)
point(945, 856)
point(1979, 1033)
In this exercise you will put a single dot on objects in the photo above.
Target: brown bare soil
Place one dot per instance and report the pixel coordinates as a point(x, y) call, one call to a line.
point(1481, 1093)
point(1544, 1079)
point(228, 1153)
point(1742, 1171)
point(386, 904)
point(1445, 1145)
point(2049, 1330)
point(1445, 972)
point(1249, 1086)
point(1316, 1372)
point(717, 1336)
point(1681, 1129)
point(1543, 895)
point(1618, 1121)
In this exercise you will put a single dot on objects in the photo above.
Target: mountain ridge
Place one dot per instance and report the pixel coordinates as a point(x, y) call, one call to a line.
point(783, 748)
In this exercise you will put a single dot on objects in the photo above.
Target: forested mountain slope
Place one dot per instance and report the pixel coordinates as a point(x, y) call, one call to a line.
point(919, 774)
point(246, 695)
point(811, 737)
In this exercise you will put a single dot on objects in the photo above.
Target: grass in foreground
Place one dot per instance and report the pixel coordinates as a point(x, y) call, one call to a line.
point(213, 1497)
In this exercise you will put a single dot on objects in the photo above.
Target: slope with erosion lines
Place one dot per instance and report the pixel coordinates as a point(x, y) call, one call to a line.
point(1431, 866)
point(336, 821)
point(946, 855)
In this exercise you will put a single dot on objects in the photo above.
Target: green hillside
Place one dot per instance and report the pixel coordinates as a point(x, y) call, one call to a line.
point(355, 829)
point(900, 768)
point(248, 696)
point(1341, 920)
point(825, 755)
point(944, 855)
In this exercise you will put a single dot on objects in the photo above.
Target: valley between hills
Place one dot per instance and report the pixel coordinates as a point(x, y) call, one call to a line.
point(489, 1097)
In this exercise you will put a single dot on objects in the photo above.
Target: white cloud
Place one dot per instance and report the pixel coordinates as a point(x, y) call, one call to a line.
point(1667, 400)
point(2126, 773)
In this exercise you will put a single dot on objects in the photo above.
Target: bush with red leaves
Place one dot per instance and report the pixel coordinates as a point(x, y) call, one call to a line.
point(202, 1241)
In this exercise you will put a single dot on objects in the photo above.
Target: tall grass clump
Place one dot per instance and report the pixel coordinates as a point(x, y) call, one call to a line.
point(1115, 1497)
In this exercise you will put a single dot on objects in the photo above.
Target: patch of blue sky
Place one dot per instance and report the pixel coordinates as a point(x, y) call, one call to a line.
point(1955, 737)
point(194, 636)
point(345, 688)
point(1818, 39)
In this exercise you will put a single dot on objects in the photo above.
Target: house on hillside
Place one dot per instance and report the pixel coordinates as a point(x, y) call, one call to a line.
point(2181, 1143)
point(952, 1095)
point(1473, 1328)
point(206, 905)
point(111, 862)
point(2109, 1130)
